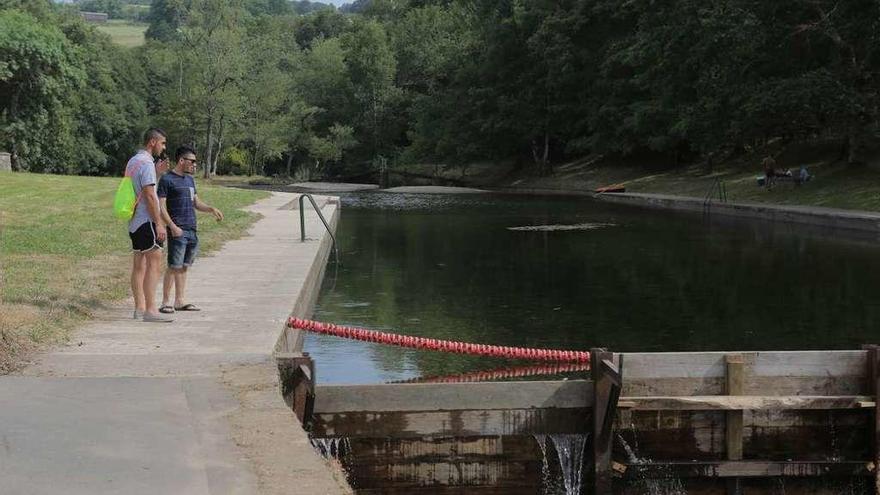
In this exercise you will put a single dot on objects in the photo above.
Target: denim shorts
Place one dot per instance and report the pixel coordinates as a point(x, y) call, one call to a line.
point(182, 250)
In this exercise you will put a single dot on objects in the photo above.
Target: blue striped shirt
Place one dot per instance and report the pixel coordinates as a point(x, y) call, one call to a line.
point(179, 192)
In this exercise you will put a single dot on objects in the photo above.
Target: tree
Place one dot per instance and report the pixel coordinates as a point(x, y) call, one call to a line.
point(320, 25)
point(321, 80)
point(211, 52)
point(330, 147)
point(39, 71)
point(165, 18)
point(371, 68)
point(110, 107)
point(845, 37)
point(266, 96)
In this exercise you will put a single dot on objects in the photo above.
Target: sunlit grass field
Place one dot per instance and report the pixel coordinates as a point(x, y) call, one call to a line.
point(124, 33)
point(63, 253)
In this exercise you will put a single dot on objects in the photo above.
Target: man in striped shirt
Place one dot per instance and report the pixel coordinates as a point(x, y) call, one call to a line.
point(179, 201)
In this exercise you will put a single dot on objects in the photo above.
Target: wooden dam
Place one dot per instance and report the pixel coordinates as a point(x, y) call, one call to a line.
point(701, 422)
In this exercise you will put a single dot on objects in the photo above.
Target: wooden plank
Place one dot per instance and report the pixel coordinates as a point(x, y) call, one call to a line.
point(439, 473)
point(657, 365)
point(778, 372)
point(746, 402)
point(873, 370)
point(297, 375)
point(452, 490)
point(606, 391)
point(734, 374)
point(463, 463)
point(734, 419)
point(809, 363)
point(384, 451)
point(483, 422)
point(652, 387)
point(753, 385)
point(745, 469)
point(413, 397)
point(675, 435)
point(772, 435)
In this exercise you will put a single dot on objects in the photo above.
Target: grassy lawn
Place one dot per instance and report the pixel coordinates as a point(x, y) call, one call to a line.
point(833, 186)
point(125, 33)
point(63, 254)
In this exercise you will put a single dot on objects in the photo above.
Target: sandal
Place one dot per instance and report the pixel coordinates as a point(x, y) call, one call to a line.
point(187, 307)
point(166, 309)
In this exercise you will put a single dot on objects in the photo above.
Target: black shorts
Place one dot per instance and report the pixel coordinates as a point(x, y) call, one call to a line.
point(144, 238)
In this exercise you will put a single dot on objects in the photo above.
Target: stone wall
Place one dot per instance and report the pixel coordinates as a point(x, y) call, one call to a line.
point(5, 162)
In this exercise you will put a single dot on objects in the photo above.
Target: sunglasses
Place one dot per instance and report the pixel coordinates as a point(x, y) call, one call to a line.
point(191, 160)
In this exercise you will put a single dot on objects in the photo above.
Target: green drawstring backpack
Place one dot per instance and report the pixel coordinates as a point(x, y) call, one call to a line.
point(125, 200)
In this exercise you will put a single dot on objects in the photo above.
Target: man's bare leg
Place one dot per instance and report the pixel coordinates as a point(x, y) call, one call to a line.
point(138, 271)
point(167, 285)
point(151, 280)
point(180, 287)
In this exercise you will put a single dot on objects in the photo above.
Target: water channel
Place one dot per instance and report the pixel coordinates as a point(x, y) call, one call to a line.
point(576, 273)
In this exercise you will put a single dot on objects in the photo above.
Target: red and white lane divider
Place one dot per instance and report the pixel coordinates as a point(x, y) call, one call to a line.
point(503, 373)
point(367, 335)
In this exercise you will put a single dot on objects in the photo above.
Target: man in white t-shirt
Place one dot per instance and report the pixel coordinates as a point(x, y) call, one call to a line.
point(146, 228)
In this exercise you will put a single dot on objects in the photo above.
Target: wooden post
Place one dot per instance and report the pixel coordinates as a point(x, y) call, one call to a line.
point(298, 385)
point(607, 382)
point(734, 424)
point(873, 388)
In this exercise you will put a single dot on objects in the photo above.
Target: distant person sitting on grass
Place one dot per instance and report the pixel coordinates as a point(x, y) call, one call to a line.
point(146, 228)
point(179, 201)
point(804, 175)
point(769, 165)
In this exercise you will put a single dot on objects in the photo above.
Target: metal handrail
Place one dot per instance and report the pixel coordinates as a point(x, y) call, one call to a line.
point(302, 222)
point(722, 193)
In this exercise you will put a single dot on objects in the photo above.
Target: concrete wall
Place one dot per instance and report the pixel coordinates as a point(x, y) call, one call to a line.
point(291, 341)
point(5, 162)
point(807, 215)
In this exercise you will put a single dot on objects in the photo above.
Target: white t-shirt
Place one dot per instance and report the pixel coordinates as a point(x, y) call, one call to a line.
point(142, 170)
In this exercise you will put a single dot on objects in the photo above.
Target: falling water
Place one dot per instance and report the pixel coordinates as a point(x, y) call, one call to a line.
point(630, 453)
point(331, 448)
point(546, 480)
point(570, 449)
point(570, 453)
point(668, 484)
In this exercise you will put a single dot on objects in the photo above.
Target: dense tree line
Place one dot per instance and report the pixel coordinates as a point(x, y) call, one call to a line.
point(274, 87)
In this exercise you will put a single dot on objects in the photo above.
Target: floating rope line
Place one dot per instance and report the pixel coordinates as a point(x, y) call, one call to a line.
point(411, 342)
point(503, 373)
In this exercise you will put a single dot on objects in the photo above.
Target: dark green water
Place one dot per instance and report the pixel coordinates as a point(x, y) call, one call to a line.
point(449, 267)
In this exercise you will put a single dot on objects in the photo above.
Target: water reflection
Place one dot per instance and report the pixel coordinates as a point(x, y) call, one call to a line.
point(449, 267)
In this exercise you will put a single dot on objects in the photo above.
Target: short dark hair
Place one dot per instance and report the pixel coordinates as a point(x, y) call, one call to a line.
point(154, 133)
point(182, 150)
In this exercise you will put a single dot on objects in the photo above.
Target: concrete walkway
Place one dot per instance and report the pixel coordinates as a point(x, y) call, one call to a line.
point(191, 407)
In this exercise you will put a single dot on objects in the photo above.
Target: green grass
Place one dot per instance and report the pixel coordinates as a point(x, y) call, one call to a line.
point(125, 33)
point(833, 186)
point(63, 253)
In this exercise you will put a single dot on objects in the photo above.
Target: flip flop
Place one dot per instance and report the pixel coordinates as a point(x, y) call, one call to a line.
point(166, 309)
point(188, 307)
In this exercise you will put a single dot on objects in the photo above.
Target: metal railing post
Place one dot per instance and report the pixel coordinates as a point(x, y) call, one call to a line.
point(302, 219)
point(302, 222)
